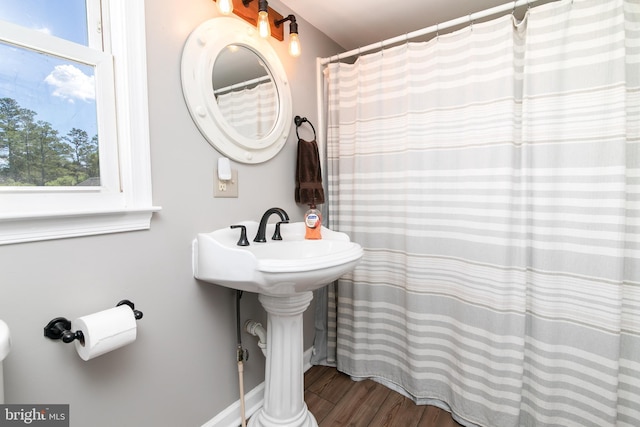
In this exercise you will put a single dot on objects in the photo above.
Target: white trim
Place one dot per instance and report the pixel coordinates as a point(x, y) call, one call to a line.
point(124, 202)
point(321, 137)
point(76, 224)
point(230, 416)
point(41, 42)
point(307, 359)
point(128, 42)
point(95, 25)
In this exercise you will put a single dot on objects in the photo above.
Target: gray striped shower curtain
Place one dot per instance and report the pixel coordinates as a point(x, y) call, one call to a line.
point(252, 111)
point(492, 176)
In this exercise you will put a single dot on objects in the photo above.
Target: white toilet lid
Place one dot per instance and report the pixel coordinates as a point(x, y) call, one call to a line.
point(5, 340)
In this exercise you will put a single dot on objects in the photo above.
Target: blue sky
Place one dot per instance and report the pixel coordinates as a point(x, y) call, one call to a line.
point(60, 92)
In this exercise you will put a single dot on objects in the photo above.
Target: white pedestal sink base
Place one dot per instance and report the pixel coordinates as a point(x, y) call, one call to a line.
point(284, 382)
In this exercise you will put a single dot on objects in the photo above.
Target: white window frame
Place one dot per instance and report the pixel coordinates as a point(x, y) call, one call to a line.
point(123, 201)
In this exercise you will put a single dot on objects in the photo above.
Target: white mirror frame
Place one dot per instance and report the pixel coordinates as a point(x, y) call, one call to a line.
point(198, 58)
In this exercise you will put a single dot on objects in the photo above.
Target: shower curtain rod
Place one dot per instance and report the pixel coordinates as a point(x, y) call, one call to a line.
point(322, 62)
point(241, 84)
point(428, 30)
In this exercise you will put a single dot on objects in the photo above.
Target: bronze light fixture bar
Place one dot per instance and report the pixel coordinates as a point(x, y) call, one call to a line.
point(249, 9)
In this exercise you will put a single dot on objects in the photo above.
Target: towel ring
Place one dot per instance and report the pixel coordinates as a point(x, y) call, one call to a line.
point(299, 121)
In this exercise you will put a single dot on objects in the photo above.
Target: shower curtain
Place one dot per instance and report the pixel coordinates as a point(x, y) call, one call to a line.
point(251, 111)
point(492, 176)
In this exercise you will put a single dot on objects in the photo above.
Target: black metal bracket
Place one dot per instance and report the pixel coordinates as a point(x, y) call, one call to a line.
point(293, 24)
point(299, 121)
point(59, 328)
point(137, 313)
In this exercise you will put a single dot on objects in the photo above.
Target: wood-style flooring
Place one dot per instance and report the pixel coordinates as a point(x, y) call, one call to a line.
point(337, 401)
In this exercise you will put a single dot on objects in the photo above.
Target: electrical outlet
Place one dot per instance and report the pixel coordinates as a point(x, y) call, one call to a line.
point(228, 188)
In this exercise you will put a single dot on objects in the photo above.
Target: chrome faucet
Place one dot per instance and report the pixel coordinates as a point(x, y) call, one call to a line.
point(262, 228)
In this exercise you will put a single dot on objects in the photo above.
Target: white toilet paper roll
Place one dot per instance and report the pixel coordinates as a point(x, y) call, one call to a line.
point(105, 331)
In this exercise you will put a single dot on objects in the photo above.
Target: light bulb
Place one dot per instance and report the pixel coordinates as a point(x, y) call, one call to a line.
point(295, 49)
point(225, 6)
point(264, 29)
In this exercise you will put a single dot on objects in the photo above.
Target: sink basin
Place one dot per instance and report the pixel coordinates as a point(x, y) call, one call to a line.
point(277, 267)
point(283, 272)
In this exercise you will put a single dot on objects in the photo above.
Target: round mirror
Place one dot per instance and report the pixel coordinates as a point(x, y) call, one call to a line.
point(245, 92)
point(236, 90)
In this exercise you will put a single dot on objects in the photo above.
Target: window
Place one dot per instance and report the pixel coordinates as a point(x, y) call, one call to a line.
point(72, 162)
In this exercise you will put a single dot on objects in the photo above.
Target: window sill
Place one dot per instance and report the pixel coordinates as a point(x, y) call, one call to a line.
point(60, 225)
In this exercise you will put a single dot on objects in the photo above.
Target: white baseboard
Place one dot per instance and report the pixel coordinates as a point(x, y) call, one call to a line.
point(307, 359)
point(230, 417)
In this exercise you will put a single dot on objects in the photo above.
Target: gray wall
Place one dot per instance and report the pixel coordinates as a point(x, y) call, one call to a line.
point(181, 371)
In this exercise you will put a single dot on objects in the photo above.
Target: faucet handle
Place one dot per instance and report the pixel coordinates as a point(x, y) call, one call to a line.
point(276, 234)
point(243, 235)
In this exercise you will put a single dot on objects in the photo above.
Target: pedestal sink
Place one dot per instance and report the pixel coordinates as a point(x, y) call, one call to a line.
point(284, 273)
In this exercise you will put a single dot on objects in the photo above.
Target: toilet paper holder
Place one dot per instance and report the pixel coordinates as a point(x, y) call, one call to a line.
point(60, 327)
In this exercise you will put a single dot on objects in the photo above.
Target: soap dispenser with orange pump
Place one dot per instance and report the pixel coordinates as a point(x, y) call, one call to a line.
point(313, 223)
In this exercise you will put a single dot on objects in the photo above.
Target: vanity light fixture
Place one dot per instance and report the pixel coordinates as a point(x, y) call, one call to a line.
point(295, 49)
point(264, 28)
point(225, 6)
point(262, 24)
point(266, 20)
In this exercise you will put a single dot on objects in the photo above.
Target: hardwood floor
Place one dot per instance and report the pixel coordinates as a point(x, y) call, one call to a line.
point(337, 401)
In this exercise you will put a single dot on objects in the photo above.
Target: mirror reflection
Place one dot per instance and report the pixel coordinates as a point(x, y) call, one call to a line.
point(249, 117)
point(245, 91)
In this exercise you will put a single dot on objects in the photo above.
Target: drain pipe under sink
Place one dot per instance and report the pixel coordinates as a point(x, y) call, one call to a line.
point(257, 330)
point(243, 417)
point(241, 355)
